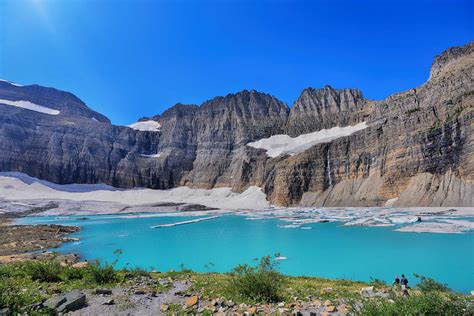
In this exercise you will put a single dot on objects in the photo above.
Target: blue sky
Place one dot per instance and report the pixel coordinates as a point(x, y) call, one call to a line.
point(128, 59)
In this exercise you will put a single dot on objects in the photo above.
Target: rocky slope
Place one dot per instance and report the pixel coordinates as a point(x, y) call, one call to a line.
point(416, 151)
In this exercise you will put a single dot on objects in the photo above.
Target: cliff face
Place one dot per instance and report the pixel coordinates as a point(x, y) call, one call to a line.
point(417, 149)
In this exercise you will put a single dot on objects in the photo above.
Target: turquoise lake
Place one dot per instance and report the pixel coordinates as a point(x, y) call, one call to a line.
point(327, 250)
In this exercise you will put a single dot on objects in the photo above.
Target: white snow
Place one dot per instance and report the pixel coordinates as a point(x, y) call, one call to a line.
point(158, 155)
point(186, 222)
point(277, 145)
point(94, 119)
point(30, 106)
point(12, 83)
point(150, 125)
point(18, 186)
point(440, 227)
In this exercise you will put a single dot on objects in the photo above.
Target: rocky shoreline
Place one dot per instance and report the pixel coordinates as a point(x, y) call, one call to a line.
point(32, 242)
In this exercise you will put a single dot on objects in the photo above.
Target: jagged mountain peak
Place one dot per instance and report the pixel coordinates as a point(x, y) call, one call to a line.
point(452, 59)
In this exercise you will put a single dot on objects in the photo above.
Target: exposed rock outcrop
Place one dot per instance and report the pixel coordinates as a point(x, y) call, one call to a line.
point(418, 146)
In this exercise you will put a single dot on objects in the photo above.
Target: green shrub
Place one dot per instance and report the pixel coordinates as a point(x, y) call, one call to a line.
point(43, 271)
point(73, 274)
point(430, 285)
point(102, 273)
point(377, 282)
point(261, 283)
point(16, 293)
point(137, 272)
point(431, 303)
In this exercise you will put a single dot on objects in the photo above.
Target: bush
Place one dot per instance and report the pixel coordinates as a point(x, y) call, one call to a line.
point(261, 283)
point(44, 271)
point(102, 273)
point(15, 293)
point(73, 274)
point(137, 272)
point(431, 303)
point(430, 285)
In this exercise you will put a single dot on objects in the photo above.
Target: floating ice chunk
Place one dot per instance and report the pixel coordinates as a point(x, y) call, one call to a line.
point(290, 226)
point(30, 106)
point(150, 125)
point(281, 258)
point(186, 222)
point(444, 227)
point(403, 219)
point(277, 145)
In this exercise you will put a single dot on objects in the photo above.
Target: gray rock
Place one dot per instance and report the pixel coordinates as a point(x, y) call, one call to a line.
point(417, 148)
point(103, 291)
point(74, 300)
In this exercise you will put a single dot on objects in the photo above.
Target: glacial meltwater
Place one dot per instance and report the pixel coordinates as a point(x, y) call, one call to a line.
point(218, 244)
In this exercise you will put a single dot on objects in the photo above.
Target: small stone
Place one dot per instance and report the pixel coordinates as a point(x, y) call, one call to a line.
point(230, 304)
point(109, 302)
point(252, 310)
point(327, 303)
point(326, 290)
point(343, 308)
point(191, 301)
point(281, 304)
point(316, 303)
point(103, 291)
point(331, 309)
point(164, 307)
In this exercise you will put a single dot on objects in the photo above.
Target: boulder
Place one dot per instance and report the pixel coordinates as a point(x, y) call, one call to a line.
point(55, 302)
point(74, 300)
point(80, 265)
point(191, 301)
point(367, 291)
point(103, 291)
point(164, 307)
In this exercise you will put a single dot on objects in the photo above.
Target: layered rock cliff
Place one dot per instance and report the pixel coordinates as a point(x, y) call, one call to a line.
point(416, 151)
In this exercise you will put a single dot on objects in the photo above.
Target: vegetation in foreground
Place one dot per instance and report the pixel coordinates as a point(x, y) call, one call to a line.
point(22, 284)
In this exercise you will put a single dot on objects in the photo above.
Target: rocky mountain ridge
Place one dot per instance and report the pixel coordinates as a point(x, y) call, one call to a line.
point(416, 151)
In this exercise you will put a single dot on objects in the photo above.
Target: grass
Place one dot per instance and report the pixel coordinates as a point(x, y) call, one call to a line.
point(257, 284)
point(25, 283)
point(430, 303)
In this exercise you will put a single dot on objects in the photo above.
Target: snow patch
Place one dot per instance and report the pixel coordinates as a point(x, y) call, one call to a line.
point(18, 186)
point(277, 145)
point(30, 106)
point(158, 155)
point(12, 83)
point(150, 125)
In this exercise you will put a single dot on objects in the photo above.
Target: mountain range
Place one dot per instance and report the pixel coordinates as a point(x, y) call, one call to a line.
point(332, 147)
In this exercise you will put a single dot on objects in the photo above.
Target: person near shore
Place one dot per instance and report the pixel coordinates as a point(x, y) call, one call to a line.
point(404, 283)
point(396, 282)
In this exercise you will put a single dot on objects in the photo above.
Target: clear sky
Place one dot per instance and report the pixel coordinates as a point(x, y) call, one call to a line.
point(135, 58)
